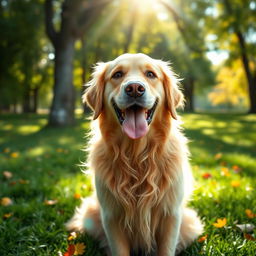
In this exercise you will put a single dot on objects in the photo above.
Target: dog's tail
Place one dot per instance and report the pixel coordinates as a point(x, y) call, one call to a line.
point(87, 219)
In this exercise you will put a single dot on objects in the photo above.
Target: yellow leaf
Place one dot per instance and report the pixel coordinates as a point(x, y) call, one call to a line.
point(79, 248)
point(225, 171)
point(220, 223)
point(14, 154)
point(7, 215)
point(6, 201)
point(235, 183)
point(72, 236)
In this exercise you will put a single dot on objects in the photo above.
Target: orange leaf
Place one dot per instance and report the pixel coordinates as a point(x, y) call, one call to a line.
point(14, 154)
point(250, 214)
point(220, 223)
point(202, 238)
point(6, 201)
point(6, 150)
point(249, 237)
point(236, 168)
point(206, 175)
point(218, 156)
point(79, 248)
point(70, 251)
point(77, 196)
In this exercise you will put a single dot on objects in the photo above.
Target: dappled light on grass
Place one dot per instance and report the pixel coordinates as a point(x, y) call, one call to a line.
point(41, 175)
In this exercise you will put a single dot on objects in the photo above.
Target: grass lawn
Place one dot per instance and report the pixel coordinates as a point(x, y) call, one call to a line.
point(41, 183)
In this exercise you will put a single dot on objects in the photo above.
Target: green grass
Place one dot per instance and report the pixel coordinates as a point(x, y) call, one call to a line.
point(46, 167)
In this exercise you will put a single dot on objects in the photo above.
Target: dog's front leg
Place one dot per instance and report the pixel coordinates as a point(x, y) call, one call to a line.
point(168, 234)
point(117, 239)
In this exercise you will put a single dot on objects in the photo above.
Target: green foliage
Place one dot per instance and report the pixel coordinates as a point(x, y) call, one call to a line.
point(46, 167)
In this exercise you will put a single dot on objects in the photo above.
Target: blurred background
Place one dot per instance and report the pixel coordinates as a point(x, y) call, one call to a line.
point(48, 49)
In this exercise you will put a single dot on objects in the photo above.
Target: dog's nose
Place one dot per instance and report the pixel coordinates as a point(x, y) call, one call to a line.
point(134, 90)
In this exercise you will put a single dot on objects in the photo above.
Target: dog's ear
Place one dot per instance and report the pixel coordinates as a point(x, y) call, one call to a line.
point(93, 95)
point(174, 96)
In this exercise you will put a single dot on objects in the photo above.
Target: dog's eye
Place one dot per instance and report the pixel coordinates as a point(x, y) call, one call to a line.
point(118, 74)
point(150, 74)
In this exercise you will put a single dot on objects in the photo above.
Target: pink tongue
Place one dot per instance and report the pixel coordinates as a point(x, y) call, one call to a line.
point(135, 124)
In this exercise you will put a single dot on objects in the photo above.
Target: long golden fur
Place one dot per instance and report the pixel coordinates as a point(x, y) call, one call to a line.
point(142, 174)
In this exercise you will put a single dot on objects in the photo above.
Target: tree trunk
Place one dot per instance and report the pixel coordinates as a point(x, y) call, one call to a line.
point(62, 109)
point(26, 107)
point(250, 79)
point(35, 100)
point(189, 94)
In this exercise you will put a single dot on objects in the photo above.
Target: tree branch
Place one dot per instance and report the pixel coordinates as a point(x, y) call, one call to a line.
point(87, 16)
point(50, 30)
point(183, 27)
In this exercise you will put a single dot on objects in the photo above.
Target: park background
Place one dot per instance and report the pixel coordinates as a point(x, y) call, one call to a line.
point(47, 52)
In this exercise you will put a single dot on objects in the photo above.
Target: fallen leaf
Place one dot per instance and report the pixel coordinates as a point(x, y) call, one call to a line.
point(12, 183)
point(59, 150)
point(225, 171)
point(7, 174)
point(14, 154)
point(6, 201)
point(220, 223)
point(79, 248)
point(249, 213)
point(206, 175)
point(236, 168)
point(21, 181)
point(7, 215)
point(7, 150)
point(246, 227)
point(70, 251)
point(223, 163)
point(77, 196)
point(235, 183)
point(218, 156)
point(72, 236)
point(202, 238)
point(50, 202)
point(249, 237)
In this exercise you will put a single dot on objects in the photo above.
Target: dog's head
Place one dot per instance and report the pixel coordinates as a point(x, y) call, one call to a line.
point(133, 88)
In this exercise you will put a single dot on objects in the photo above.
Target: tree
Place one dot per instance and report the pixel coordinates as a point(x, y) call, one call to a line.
point(76, 17)
point(234, 24)
point(196, 66)
point(20, 48)
point(235, 10)
point(231, 88)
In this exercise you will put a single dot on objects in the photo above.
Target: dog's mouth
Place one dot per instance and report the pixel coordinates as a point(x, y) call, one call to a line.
point(135, 119)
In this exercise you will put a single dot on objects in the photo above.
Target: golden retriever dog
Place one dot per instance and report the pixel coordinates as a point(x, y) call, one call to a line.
point(139, 159)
